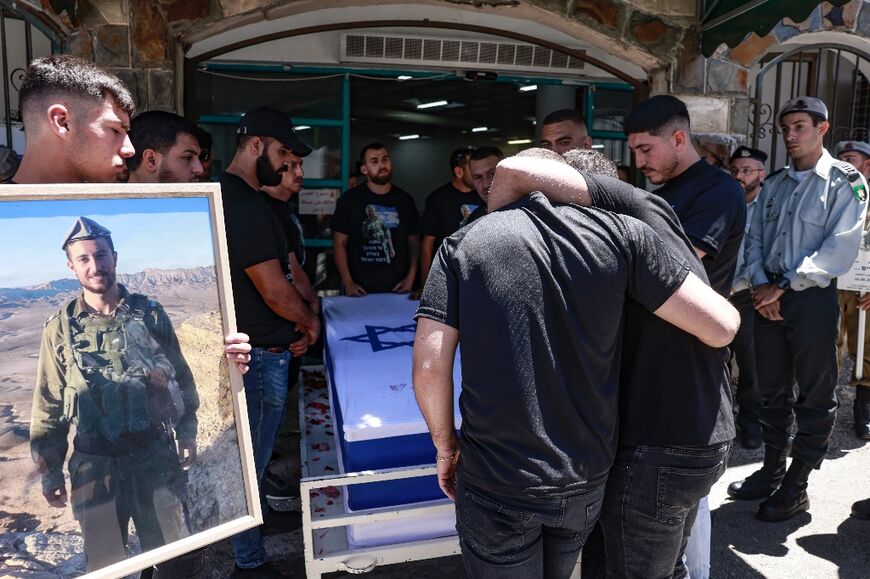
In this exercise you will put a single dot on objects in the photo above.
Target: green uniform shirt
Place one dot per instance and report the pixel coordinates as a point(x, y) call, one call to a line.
point(118, 356)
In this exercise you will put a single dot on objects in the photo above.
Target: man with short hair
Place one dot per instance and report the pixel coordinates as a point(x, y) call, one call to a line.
point(747, 166)
point(673, 417)
point(481, 166)
point(376, 230)
point(447, 208)
point(110, 364)
point(76, 118)
point(564, 130)
point(709, 203)
point(527, 495)
point(268, 307)
point(206, 155)
point(804, 233)
point(167, 149)
point(857, 153)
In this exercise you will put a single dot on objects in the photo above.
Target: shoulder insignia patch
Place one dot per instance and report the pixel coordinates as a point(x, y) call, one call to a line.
point(855, 179)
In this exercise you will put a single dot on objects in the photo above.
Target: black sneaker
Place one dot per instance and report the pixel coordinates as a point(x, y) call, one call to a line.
point(278, 490)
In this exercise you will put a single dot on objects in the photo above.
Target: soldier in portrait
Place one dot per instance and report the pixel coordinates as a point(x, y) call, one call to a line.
point(110, 364)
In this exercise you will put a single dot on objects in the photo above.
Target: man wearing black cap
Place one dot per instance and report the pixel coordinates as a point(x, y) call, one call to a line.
point(856, 153)
point(376, 230)
point(268, 307)
point(447, 208)
point(804, 233)
point(747, 166)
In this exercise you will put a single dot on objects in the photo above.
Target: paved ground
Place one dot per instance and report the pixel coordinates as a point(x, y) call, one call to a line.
point(825, 543)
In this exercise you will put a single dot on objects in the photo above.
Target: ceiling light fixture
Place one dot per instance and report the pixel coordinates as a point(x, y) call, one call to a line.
point(301, 127)
point(520, 142)
point(404, 77)
point(597, 146)
point(479, 129)
point(528, 87)
point(408, 137)
point(431, 105)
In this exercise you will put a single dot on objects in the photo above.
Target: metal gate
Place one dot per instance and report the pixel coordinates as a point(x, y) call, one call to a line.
point(22, 38)
point(835, 73)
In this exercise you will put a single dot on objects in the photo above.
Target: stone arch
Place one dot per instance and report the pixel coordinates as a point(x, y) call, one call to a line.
point(519, 21)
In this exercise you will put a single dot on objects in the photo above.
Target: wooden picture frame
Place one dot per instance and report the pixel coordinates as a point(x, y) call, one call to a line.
point(163, 238)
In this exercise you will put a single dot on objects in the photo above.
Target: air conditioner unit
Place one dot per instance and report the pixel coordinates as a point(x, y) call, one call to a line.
point(455, 53)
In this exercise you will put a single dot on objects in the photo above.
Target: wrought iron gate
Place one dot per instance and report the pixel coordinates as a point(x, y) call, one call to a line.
point(22, 38)
point(835, 73)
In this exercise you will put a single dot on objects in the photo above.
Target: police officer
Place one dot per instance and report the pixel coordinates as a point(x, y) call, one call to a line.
point(805, 232)
point(747, 167)
point(856, 153)
point(110, 363)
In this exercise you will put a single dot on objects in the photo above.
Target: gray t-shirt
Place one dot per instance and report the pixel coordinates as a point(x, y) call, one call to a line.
point(537, 293)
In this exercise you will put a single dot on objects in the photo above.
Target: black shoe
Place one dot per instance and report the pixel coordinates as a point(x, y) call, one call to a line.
point(278, 490)
point(277, 523)
point(790, 498)
point(861, 412)
point(861, 509)
point(762, 482)
point(750, 436)
point(271, 570)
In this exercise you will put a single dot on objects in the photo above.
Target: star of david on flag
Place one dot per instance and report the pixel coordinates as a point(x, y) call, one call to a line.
point(374, 337)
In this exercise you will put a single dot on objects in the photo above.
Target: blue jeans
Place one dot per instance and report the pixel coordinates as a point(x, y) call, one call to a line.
point(697, 556)
point(265, 395)
point(523, 537)
point(650, 506)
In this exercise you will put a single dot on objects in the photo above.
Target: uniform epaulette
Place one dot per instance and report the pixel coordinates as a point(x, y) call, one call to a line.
point(855, 179)
point(53, 316)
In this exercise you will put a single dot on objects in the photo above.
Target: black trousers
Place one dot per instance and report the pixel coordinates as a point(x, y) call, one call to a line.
point(743, 346)
point(799, 350)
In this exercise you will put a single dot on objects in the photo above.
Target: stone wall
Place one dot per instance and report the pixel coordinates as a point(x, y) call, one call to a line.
point(142, 41)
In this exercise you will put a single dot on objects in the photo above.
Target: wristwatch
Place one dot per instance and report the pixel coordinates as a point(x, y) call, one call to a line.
point(784, 284)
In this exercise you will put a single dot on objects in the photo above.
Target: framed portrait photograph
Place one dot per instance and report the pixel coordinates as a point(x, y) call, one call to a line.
point(124, 439)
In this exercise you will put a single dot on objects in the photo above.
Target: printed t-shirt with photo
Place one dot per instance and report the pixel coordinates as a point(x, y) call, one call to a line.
point(378, 227)
point(447, 209)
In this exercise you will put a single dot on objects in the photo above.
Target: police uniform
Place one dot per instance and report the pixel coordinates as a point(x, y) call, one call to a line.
point(93, 373)
point(743, 346)
point(805, 231)
point(848, 340)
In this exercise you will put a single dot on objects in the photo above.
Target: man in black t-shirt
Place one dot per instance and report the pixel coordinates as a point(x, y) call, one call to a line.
point(675, 408)
point(481, 165)
point(376, 231)
point(268, 307)
point(447, 208)
point(507, 287)
point(712, 212)
point(708, 201)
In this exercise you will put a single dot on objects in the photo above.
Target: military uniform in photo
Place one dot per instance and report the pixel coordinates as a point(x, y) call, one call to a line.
point(93, 373)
